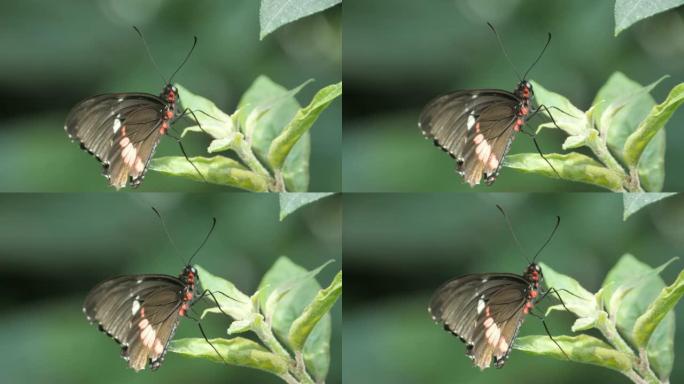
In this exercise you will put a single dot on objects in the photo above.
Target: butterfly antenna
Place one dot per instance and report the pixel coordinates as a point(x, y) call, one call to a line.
point(147, 48)
point(213, 225)
point(515, 238)
point(504, 51)
point(194, 43)
point(168, 236)
point(549, 239)
point(548, 40)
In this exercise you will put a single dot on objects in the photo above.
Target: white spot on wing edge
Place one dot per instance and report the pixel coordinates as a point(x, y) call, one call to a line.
point(135, 307)
point(471, 120)
point(117, 125)
point(480, 305)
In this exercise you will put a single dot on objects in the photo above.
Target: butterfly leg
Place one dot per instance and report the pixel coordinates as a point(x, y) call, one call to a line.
point(536, 144)
point(556, 291)
point(548, 333)
point(204, 335)
point(185, 154)
point(210, 293)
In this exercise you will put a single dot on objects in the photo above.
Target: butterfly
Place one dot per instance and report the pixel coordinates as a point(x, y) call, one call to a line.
point(122, 130)
point(476, 127)
point(486, 310)
point(141, 312)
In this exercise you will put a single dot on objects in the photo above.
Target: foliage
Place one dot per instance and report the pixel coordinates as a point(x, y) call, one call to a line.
point(622, 129)
point(290, 202)
point(269, 133)
point(632, 311)
point(633, 202)
point(273, 14)
point(628, 12)
point(289, 314)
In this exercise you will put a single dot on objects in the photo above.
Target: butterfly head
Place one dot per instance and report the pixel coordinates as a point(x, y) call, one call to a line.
point(524, 90)
point(189, 275)
point(534, 274)
point(170, 93)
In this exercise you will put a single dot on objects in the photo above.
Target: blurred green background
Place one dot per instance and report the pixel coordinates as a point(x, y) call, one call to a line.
point(56, 247)
point(400, 54)
point(399, 248)
point(58, 53)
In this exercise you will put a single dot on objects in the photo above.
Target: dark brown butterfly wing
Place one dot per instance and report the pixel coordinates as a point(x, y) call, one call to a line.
point(485, 311)
point(140, 312)
point(121, 130)
point(475, 127)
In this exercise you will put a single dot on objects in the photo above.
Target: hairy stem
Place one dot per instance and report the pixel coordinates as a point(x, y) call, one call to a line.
point(642, 373)
point(244, 151)
point(265, 334)
point(600, 150)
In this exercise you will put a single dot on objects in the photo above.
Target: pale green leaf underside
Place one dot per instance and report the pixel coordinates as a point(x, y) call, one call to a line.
point(571, 166)
point(582, 349)
point(237, 350)
point(628, 12)
point(633, 202)
point(273, 14)
point(217, 170)
point(292, 201)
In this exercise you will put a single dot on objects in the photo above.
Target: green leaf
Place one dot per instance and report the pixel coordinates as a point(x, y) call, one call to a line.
point(301, 328)
point(630, 286)
point(651, 125)
point(581, 302)
point(273, 14)
point(572, 166)
point(633, 202)
point(213, 120)
point(290, 202)
point(217, 170)
point(582, 349)
point(300, 124)
point(620, 105)
point(628, 12)
point(240, 326)
point(286, 289)
point(232, 301)
point(237, 351)
point(573, 121)
point(265, 109)
point(226, 143)
point(296, 168)
point(657, 310)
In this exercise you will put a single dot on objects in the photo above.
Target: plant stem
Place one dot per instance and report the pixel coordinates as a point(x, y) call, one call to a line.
point(279, 181)
point(289, 379)
point(633, 184)
point(263, 331)
point(644, 368)
point(244, 151)
point(600, 149)
point(640, 365)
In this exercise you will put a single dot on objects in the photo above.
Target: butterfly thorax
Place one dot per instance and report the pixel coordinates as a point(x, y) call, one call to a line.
point(170, 95)
point(525, 93)
point(188, 277)
point(533, 275)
